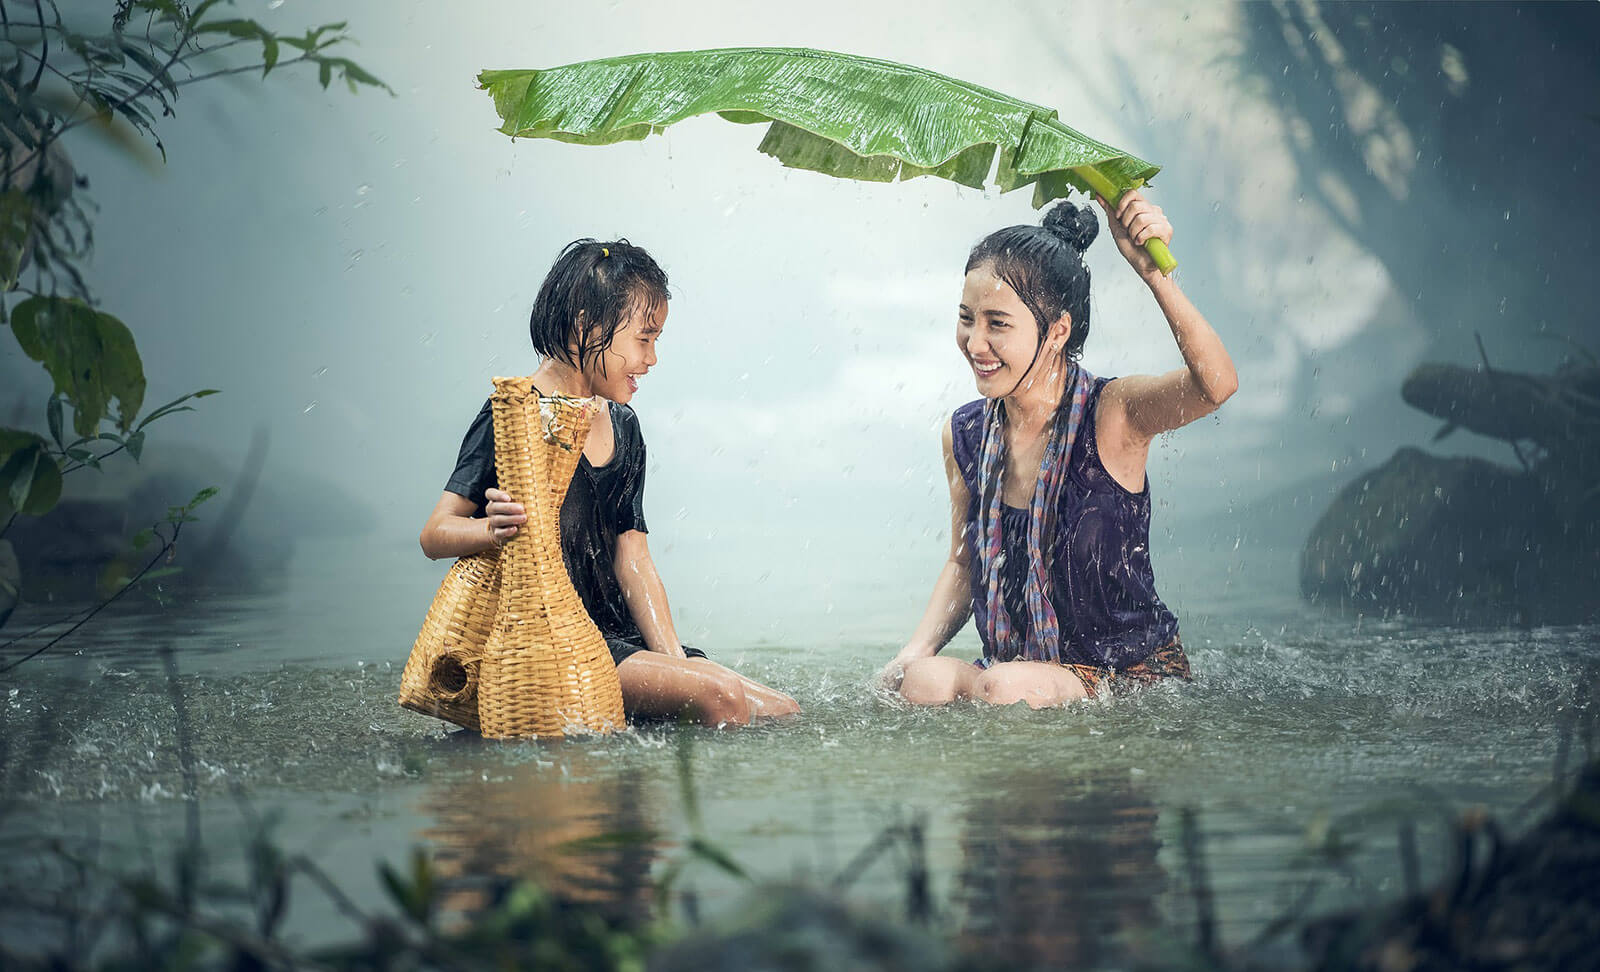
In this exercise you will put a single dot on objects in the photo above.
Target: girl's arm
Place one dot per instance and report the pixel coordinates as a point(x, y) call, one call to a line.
point(645, 594)
point(1153, 404)
point(452, 530)
point(951, 603)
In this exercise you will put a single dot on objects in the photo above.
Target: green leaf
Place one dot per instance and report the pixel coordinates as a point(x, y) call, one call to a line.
point(155, 68)
point(708, 851)
point(16, 228)
point(30, 480)
point(201, 497)
point(135, 445)
point(176, 405)
point(90, 355)
point(269, 53)
point(142, 538)
point(52, 412)
point(243, 29)
point(324, 72)
point(851, 117)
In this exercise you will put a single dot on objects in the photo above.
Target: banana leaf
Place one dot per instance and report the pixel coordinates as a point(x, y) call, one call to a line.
point(846, 116)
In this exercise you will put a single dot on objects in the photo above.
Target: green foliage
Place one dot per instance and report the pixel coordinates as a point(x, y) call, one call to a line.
point(851, 117)
point(116, 82)
point(90, 356)
point(30, 480)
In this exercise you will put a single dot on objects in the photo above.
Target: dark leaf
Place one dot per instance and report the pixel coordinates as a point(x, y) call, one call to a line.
point(324, 73)
point(157, 70)
point(16, 226)
point(52, 412)
point(269, 53)
point(202, 496)
point(135, 445)
point(708, 851)
point(31, 480)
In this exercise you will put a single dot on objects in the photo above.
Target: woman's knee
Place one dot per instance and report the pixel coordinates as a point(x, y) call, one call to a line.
point(929, 681)
point(997, 688)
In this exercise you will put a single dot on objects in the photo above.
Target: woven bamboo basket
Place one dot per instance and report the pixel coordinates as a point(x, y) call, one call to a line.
point(546, 668)
point(441, 676)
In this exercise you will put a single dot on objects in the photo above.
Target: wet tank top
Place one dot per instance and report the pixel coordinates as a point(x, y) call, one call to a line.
point(1102, 586)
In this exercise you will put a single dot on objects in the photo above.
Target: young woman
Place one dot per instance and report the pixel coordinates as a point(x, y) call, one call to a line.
point(595, 325)
point(1049, 505)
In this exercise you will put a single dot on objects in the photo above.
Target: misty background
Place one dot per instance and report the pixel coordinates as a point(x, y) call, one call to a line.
point(1355, 190)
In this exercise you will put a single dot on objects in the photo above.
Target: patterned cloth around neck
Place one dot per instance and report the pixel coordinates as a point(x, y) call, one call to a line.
point(1042, 639)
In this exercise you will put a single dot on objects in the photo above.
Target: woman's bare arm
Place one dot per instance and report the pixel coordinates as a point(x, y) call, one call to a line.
point(950, 605)
point(1153, 404)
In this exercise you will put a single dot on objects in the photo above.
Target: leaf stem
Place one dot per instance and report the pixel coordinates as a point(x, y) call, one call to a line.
point(1102, 186)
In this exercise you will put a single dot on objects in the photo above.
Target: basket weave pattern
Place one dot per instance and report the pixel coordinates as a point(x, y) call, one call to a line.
point(530, 663)
point(546, 667)
point(441, 676)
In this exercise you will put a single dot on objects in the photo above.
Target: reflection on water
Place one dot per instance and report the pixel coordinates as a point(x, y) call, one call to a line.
point(1059, 869)
point(1049, 833)
point(585, 838)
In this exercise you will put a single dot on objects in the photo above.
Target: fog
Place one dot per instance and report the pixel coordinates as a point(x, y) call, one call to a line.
point(351, 271)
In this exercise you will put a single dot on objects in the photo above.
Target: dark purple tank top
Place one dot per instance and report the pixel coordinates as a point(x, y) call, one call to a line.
point(1103, 587)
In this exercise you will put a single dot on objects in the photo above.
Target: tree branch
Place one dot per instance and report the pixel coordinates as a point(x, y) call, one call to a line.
point(167, 545)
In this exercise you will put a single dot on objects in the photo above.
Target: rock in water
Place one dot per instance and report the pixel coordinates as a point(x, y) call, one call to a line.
point(1452, 539)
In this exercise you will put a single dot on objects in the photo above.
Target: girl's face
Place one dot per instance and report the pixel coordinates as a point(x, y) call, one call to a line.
point(998, 335)
point(632, 352)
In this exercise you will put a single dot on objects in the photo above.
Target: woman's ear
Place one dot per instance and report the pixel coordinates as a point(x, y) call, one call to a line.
point(1060, 332)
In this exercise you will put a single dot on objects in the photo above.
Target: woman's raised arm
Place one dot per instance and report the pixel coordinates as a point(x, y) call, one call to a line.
point(1153, 404)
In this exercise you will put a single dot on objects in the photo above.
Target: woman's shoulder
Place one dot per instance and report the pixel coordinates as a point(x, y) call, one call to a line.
point(966, 428)
point(968, 418)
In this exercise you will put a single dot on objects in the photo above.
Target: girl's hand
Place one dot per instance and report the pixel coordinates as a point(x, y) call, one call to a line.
point(1134, 221)
point(504, 516)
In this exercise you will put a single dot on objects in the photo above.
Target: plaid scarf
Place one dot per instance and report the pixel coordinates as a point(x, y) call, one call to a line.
point(1043, 640)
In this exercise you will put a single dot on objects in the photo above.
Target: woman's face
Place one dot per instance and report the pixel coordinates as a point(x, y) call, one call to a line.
point(632, 352)
point(997, 333)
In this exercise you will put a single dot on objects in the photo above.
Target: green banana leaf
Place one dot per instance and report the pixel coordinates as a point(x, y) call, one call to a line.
point(846, 116)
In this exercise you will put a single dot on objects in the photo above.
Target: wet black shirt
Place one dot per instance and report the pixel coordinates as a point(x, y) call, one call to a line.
point(602, 503)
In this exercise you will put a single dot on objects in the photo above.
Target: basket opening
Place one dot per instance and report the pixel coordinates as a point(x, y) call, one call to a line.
point(449, 676)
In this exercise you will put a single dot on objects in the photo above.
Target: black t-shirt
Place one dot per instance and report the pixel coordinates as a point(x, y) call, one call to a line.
point(602, 503)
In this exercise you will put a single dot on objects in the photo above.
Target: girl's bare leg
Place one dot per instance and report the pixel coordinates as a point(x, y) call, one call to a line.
point(765, 702)
point(938, 680)
point(1040, 684)
point(656, 685)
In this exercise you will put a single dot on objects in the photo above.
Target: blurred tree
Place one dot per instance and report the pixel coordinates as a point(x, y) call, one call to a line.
point(1458, 143)
point(112, 76)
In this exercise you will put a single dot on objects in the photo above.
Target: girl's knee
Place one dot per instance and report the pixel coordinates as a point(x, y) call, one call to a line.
point(721, 701)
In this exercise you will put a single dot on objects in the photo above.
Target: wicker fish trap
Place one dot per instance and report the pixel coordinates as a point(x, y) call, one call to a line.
point(441, 676)
point(507, 648)
point(546, 668)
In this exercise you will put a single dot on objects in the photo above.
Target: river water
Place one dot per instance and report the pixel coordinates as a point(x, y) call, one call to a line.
point(1306, 740)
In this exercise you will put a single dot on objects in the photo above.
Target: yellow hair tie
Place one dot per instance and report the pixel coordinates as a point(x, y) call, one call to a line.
point(604, 252)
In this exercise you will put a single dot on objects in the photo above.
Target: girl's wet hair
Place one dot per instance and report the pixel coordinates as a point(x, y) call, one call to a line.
point(588, 293)
point(1044, 265)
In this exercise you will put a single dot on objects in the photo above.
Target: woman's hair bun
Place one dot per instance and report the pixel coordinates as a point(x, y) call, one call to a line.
point(1075, 225)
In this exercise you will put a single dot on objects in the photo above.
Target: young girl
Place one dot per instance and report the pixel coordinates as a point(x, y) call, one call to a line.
point(595, 325)
point(1049, 505)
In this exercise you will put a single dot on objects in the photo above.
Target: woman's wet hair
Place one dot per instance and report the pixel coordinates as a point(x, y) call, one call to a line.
point(1044, 265)
point(590, 290)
